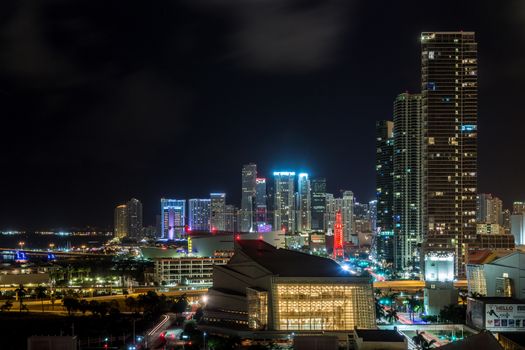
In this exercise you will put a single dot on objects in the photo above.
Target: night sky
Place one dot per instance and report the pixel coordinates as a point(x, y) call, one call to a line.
point(104, 101)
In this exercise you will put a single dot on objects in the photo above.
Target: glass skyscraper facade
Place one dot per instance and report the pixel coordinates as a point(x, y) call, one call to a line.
point(217, 211)
point(384, 191)
point(449, 89)
point(408, 181)
point(304, 203)
point(284, 209)
point(318, 204)
point(249, 184)
point(199, 214)
point(173, 218)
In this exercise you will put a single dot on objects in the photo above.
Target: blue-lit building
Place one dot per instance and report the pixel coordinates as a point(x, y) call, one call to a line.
point(173, 218)
point(199, 214)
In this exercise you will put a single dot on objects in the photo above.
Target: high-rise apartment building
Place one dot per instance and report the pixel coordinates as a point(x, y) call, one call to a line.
point(304, 203)
point(408, 181)
point(489, 209)
point(372, 212)
point(199, 214)
point(347, 213)
point(284, 209)
point(135, 225)
point(329, 217)
point(249, 184)
point(173, 218)
point(384, 191)
point(261, 204)
point(217, 209)
point(121, 221)
point(449, 92)
point(318, 204)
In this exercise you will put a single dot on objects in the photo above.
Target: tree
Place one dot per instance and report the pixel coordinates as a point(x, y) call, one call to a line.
point(131, 303)
point(414, 305)
point(20, 294)
point(41, 293)
point(180, 304)
point(83, 306)
point(380, 309)
point(391, 315)
point(71, 304)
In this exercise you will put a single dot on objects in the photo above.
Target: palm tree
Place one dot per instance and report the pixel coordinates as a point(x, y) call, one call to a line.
point(41, 293)
point(71, 304)
point(391, 315)
point(20, 294)
point(380, 309)
point(414, 305)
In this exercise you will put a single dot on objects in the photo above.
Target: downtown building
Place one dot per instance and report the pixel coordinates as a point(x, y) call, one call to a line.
point(128, 220)
point(449, 108)
point(408, 182)
point(217, 211)
point(248, 194)
point(284, 198)
point(265, 292)
point(199, 214)
point(172, 218)
point(304, 215)
point(384, 244)
point(120, 221)
point(261, 206)
point(318, 210)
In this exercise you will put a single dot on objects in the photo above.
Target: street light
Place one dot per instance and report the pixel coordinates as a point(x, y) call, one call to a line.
point(204, 339)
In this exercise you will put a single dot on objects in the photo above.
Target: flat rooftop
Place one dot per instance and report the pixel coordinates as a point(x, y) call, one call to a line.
point(380, 335)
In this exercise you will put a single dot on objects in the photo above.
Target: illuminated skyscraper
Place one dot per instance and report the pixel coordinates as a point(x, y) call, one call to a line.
point(135, 227)
point(318, 204)
point(489, 209)
point(199, 214)
point(261, 206)
point(408, 181)
point(329, 217)
point(284, 210)
point(347, 212)
point(449, 89)
point(218, 203)
point(518, 207)
point(384, 191)
point(121, 221)
point(372, 211)
point(173, 217)
point(249, 176)
point(304, 203)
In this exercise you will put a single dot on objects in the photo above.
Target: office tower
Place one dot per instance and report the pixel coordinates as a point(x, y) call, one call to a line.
point(135, 226)
point(329, 217)
point(347, 213)
point(362, 222)
point(304, 203)
point(384, 191)
point(173, 217)
point(372, 211)
point(518, 207)
point(261, 207)
point(199, 214)
point(121, 221)
point(249, 184)
point(318, 204)
point(449, 105)
point(284, 209)
point(217, 208)
point(506, 220)
point(230, 218)
point(489, 209)
point(408, 181)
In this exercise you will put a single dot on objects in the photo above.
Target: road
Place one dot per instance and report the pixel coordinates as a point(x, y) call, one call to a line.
point(153, 338)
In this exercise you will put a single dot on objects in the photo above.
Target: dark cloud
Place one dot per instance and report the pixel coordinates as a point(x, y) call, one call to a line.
point(285, 35)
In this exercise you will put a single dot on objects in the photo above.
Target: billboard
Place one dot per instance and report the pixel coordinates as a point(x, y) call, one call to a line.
point(505, 317)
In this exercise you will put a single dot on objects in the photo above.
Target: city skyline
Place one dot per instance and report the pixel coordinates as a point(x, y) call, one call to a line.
point(81, 146)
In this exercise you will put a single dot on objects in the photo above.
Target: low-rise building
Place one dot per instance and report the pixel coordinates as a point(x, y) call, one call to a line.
point(266, 290)
point(371, 339)
point(186, 270)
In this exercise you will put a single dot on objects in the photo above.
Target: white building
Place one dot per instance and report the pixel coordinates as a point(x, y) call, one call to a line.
point(188, 270)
